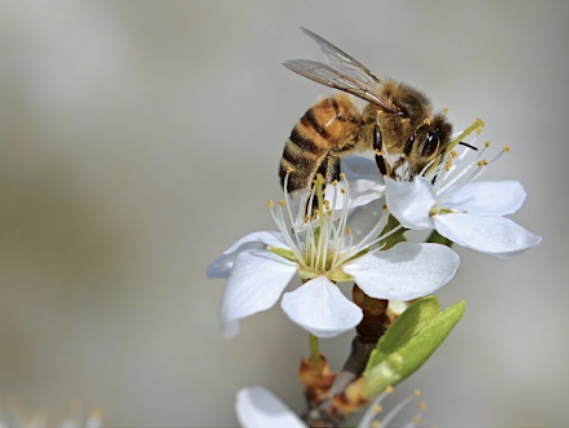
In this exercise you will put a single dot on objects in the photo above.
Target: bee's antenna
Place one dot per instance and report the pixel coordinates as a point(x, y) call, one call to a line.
point(462, 143)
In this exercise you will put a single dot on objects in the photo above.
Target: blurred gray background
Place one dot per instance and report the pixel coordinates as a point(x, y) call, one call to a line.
point(140, 139)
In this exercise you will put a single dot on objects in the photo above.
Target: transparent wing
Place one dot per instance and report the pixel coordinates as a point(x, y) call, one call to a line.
point(328, 75)
point(343, 62)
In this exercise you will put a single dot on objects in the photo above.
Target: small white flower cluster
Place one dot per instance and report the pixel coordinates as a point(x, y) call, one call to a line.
point(17, 417)
point(341, 241)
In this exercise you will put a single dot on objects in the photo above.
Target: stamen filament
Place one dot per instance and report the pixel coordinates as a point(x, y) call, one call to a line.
point(364, 243)
point(279, 221)
point(287, 203)
point(371, 411)
point(395, 411)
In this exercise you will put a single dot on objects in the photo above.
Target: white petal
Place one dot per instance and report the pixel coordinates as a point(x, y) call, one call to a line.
point(257, 407)
point(360, 192)
point(410, 202)
point(498, 236)
point(363, 219)
point(257, 280)
point(221, 267)
point(405, 272)
point(488, 198)
point(320, 308)
point(365, 183)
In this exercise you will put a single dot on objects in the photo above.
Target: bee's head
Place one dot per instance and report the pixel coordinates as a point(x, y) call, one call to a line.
point(432, 138)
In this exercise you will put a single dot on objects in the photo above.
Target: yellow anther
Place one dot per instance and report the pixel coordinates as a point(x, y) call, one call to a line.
point(427, 121)
point(384, 207)
point(343, 191)
point(335, 183)
point(281, 202)
point(376, 424)
point(454, 154)
point(447, 166)
point(485, 162)
point(316, 212)
point(306, 218)
point(416, 393)
point(487, 143)
point(289, 170)
point(422, 405)
point(389, 389)
point(377, 153)
point(445, 110)
point(480, 163)
point(479, 131)
point(270, 203)
point(506, 149)
point(378, 408)
point(416, 421)
point(326, 203)
point(348, 231)
point(342, 176)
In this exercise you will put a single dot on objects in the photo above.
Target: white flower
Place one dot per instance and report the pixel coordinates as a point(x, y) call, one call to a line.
point(257, 407)
point(331, 247)
point(471, 214)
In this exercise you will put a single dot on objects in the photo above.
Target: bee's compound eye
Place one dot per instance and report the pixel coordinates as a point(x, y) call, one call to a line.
point(352, 119)
point(431, 143)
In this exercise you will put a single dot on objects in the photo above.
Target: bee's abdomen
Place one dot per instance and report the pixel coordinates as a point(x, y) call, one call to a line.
point(304, 151)
point(326, 130)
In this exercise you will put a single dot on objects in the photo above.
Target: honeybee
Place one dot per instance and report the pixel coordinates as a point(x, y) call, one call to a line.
point(398, 123)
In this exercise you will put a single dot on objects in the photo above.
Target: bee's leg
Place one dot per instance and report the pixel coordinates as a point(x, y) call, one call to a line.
point(407, 149)
point(442, 158)
point(377, 146)
point(329, 168)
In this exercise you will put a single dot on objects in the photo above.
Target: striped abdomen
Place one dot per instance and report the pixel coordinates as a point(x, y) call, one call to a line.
point(325, 132)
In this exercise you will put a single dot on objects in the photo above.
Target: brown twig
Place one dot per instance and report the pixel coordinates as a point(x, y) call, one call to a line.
point(333, 396)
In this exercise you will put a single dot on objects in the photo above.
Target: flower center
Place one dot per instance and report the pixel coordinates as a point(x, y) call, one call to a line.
point(318, 235)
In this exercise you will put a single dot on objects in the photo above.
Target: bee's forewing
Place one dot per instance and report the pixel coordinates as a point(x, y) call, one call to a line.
point(330, 76)
point(340, 60)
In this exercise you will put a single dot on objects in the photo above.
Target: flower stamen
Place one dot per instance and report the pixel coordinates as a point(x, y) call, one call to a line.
point(370, 420)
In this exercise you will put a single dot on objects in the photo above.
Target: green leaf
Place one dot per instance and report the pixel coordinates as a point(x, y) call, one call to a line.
point(411, 321)
point(416, 351)
point(387, 372)
point(409, 342)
